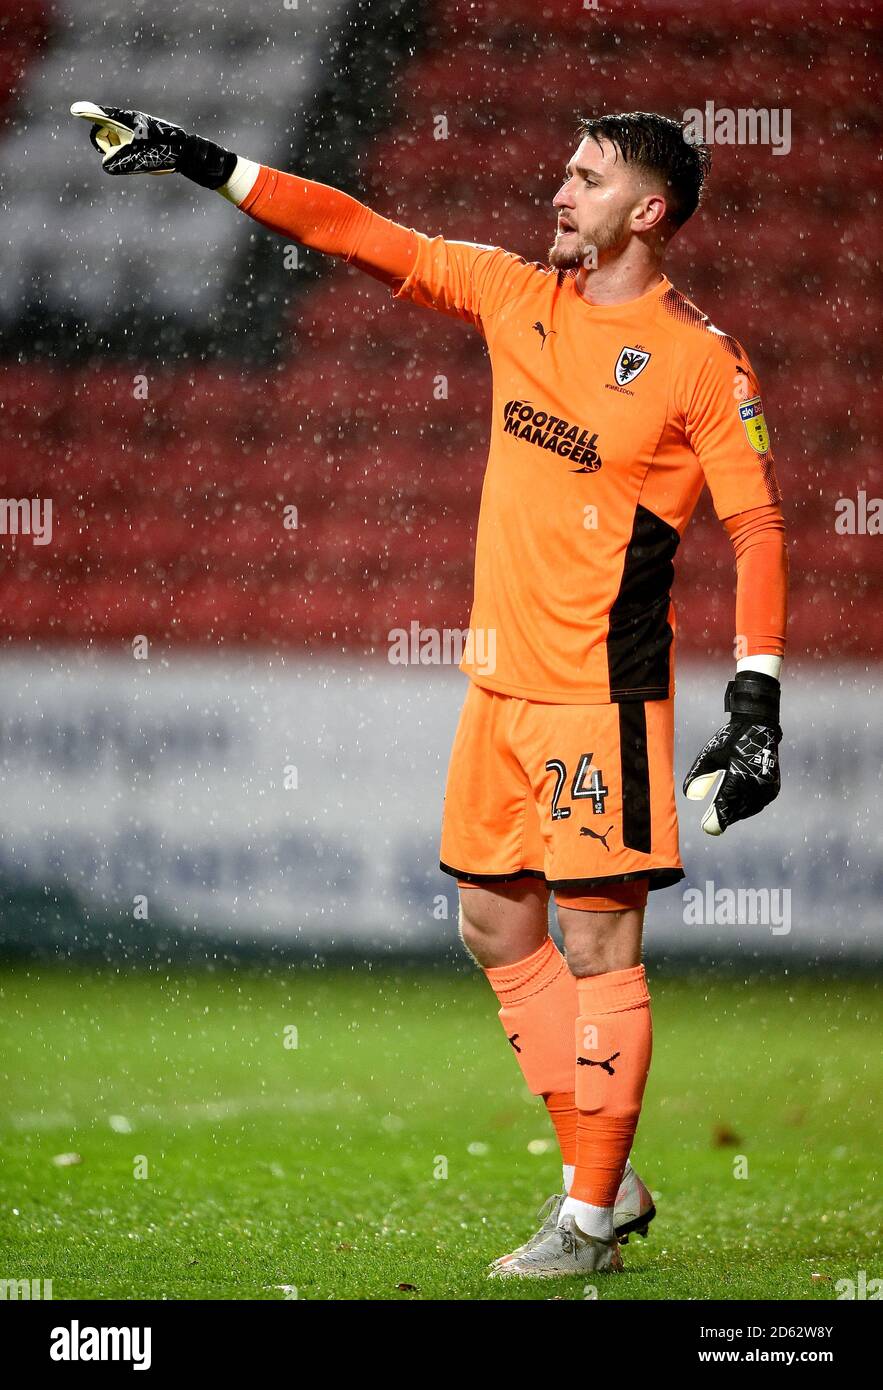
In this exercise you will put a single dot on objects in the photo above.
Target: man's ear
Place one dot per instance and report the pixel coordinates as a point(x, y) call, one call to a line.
point(650, 212)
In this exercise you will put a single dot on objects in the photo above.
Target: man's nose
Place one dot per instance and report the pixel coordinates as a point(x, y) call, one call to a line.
point(563, 198)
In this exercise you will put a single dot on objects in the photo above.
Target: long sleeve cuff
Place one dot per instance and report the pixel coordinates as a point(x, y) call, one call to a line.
point(758, 538)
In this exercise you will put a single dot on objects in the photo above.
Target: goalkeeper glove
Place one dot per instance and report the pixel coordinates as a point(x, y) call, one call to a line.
point(131, 142)
point(746, 751)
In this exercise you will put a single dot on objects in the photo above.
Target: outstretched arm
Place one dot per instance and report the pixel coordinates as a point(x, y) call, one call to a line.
point(467, 280)
point(324, 218)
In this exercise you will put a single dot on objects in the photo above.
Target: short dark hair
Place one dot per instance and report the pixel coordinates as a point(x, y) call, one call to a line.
point(656, 143)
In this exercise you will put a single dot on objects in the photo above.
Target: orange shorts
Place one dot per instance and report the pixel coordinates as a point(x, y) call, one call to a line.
point(579, 795)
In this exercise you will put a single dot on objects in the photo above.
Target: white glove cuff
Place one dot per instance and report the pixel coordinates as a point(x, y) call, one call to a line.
point(767, 665)
point(241, 181)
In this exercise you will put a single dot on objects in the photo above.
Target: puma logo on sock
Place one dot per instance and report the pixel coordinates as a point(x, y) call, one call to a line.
point(586, 1062)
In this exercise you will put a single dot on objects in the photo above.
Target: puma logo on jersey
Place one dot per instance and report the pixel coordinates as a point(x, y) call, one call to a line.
point(543, 334)
point(605, 1065)
point(584, 830)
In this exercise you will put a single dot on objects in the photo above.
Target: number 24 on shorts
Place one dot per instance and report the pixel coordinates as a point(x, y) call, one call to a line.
point(594, 790)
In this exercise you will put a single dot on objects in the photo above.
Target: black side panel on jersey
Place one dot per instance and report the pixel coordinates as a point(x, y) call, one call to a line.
point(639, 637)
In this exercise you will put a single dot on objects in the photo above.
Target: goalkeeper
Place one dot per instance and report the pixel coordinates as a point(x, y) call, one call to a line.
point(615, 403)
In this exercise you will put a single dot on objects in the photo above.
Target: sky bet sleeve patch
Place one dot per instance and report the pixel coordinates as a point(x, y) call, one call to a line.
point(752, 416)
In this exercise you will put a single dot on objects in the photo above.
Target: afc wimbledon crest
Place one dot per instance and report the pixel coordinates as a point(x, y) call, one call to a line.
point(752, 416)
point(630, 363)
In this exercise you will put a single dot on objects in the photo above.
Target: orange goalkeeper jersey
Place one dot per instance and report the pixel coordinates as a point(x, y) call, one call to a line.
point(607, 422)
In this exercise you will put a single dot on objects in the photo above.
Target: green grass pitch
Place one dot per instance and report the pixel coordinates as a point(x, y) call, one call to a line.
point(316, 1167)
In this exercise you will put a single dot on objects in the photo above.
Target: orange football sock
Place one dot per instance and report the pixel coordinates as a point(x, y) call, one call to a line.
point(561, 1106)
point(613, 1046)
point(538, 1005)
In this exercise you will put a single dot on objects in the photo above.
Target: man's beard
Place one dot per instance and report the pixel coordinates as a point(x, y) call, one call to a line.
point(578, 250)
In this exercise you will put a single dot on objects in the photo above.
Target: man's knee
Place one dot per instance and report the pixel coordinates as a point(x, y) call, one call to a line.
point(505, 922)
point(596, 943)
point(471, 931)
point(484, 922)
